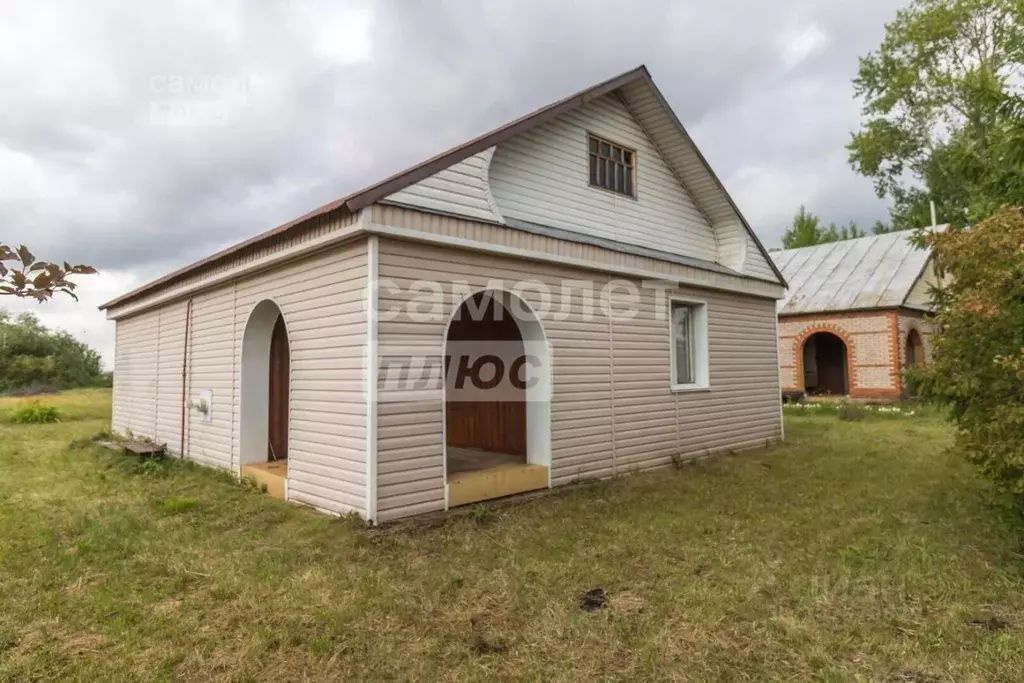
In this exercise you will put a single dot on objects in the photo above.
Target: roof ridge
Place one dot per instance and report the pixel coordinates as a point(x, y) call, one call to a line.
point(396, 182)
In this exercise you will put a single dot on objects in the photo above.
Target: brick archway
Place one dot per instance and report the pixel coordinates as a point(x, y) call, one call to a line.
point(913, 347)
point(801, 341)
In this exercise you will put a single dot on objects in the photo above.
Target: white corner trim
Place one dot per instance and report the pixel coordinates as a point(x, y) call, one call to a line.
point(372, 268)
point(778, 364)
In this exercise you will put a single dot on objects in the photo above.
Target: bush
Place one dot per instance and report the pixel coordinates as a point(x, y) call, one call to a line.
point(34, 412)
point(977, 368)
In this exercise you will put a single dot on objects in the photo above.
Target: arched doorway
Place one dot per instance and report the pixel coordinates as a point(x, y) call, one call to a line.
point(496, 399)
point(825, 365)
point(915, 349)
point(266, 385)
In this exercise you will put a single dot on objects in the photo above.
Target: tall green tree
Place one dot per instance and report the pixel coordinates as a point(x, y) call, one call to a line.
point(942, 109)
point(33, 357)
point(806, 231)
point(977, 368)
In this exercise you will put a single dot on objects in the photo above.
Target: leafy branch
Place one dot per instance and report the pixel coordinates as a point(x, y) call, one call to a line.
point(22, 275)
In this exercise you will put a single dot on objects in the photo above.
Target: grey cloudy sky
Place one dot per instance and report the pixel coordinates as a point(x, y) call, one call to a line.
point(139, 136)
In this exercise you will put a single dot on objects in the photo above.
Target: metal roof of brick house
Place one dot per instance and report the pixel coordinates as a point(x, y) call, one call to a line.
point(877, 271)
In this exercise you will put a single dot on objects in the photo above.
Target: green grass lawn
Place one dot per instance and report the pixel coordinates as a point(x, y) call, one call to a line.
point(857, 551)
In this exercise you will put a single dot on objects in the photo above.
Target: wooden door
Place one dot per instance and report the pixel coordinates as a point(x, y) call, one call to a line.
point(495, 426)
point(277, 420)
point(498, 426)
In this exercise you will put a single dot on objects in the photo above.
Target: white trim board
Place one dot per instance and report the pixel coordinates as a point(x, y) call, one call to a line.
point(701, 346)
point(475, 245)
point(372, 366)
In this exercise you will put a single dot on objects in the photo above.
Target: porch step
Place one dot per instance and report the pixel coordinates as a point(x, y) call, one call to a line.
point(272, 474)
point(495, 482)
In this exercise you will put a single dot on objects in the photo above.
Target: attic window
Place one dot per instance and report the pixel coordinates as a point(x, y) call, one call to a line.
point(612, 167)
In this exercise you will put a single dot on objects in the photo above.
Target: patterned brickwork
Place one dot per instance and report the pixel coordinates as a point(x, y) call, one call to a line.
point(872, 338)
point(915, 320)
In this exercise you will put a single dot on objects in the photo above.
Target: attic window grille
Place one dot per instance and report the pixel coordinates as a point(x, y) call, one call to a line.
point(612, 167)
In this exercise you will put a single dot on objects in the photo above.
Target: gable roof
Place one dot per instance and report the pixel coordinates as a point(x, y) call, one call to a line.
point(877, 271)
point(699, 179)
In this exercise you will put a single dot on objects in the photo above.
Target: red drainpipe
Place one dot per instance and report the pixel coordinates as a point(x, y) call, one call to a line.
point(184, 373)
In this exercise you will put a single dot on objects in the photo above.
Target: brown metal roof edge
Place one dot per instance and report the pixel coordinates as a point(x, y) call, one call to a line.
point(221, 255)
point(700, 155)
point(413, 175)
point(368, 195)
point(399, 181)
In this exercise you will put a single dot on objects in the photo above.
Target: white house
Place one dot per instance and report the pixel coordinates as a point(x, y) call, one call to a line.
point(573, 295)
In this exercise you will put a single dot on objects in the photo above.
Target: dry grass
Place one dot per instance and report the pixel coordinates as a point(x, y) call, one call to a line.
point(859, 551)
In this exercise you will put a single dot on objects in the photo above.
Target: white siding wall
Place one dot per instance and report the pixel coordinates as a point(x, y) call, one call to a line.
point(475, 235)
point(211, 359)
point(612, 409)
point(323, 302)
point(462, 189)
point(168, 395)
point(542, 177)
point(322, 299)
point(756, 264)
point(135, 378)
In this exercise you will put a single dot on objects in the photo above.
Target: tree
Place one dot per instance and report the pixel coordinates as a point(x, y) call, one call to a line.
point(943, 114)
point(33, 357)
point(847, 232)
point(806, 231)
point(977, 367)
point(48, 279)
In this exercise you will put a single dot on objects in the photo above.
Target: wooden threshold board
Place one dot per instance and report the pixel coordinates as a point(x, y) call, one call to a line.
point(272, 474)
point(495, 482)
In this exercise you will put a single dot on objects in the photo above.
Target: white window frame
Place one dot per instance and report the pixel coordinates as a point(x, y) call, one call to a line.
point(701, 375)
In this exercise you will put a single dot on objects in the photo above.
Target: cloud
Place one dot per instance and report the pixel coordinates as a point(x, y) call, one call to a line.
point(802, 43)
point(139, 137)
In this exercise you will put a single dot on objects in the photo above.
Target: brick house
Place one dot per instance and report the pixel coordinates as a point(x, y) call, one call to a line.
point(855, 316)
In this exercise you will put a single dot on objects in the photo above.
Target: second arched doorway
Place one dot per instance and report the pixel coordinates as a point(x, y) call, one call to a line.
point(265, 398)
point(825, 365)
point(497, 402)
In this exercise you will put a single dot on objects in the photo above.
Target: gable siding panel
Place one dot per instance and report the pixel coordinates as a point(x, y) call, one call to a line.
point(541, 176)
point(736, 248)
point(461, 189)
